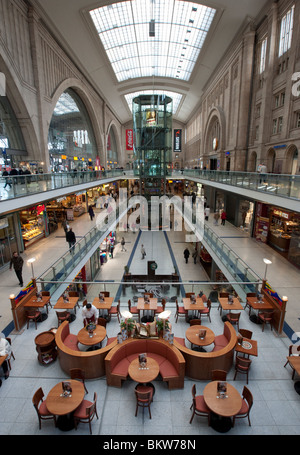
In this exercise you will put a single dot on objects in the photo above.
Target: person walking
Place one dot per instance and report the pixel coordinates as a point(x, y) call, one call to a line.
point(143, 251)
point(194, 256)
point(223, 217)
point(186, 254)
point(216, 217)
point(206, 212)
point(17, 263)
point(112, 250)
point(7, 180)
point(91, 212)
point(123, 244)
point(71, 239)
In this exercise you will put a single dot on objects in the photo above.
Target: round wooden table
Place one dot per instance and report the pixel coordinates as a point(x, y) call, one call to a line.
point(98, 335)
point(192, 334)
point(223, 408)
point(143, 375)
point(64, 406)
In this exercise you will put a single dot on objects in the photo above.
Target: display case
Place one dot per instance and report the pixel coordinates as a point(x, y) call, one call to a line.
point(281, 228)
point(32, 226)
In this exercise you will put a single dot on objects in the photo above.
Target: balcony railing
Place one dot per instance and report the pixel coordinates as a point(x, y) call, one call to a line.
point(17, 186)
point(283, 185)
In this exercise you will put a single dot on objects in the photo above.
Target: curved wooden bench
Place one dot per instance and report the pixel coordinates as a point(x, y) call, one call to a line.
point(171, 361)
point(92, 362)
point(199, 365)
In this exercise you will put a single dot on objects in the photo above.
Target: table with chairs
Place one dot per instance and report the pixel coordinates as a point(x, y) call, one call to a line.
point(147, 307)
point(103, 305)
point(93, 339)
point(144, 390)
point(193, 306)
point(193, 335)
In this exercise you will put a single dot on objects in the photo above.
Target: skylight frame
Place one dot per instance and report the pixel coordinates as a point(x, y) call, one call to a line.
point(181, 28)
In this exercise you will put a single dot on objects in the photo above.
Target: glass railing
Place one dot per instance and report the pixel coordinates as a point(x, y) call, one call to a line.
point(133, 290)
point(237, 268)
point(59, 272)
point(278, 184)
point(24, 185)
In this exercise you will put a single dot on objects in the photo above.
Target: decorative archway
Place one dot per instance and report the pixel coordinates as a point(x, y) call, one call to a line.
point(113, 146)
point(215, 136)
point(270, 161)
point(95, 121)
point(291, 160)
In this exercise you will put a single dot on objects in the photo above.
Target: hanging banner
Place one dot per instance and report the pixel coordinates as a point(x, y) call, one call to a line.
point(129, 139)
point(177, 140)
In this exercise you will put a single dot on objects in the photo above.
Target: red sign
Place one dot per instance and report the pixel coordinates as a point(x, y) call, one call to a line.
point(129, 139)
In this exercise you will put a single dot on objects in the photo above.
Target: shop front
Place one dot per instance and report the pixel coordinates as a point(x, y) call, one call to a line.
point(8, 239)
point(33, 224)
point(67, 208)
point(279, 228)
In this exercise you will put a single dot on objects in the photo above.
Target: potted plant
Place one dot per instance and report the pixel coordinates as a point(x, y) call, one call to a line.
point(160, 324)
point(128, 324)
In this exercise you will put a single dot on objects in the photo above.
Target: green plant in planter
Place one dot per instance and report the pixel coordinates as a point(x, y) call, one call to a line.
point(126, 269)
point(129, 325)
point(160, 325)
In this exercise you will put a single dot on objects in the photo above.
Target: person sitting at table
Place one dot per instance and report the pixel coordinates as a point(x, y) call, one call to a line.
point(89, 314)
point(5, 349)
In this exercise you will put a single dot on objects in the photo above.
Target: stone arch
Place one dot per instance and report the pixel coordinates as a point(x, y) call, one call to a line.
point(291, 160)
point(89, 104)
point(113, 127)
point(252, 163)
point(215, 116)
point(24, 118)
point(270, 160)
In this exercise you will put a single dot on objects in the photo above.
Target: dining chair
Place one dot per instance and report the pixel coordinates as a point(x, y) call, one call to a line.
point(224, 294)
point(266, 317)
point(246, 333)
point(47, 293)
point(204, 298)
point(180, 311)
point(161, 308)
point(234, 318)
point(105, 293)
point(195, 321)
point(41, 408)
point(198, 405)
point(292, 349)
point(242, 365)
point(115, 311)
point(102, 322)
point(63, 316)
point(190, 294)
point(85, 412)
point(79, 374)
point(148, 294)
point(133, 310)
point(206, 311)
point(218, 375)
point(249, 294)
point(247, 402)
point(33, 316)
point(144, 398)
point(73, 294)
point(11, 354)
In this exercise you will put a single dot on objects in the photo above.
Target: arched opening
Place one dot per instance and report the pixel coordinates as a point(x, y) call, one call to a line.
point(291, 160)
point(214, 142)
point(112, 149)
point(71, 139)
point(271, 158)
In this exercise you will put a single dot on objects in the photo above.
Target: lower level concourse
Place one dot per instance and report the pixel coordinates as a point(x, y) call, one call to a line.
point(275, 409)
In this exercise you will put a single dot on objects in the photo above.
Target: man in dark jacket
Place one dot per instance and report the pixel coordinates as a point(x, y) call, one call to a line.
point(17, 262)
point(71, 239)
point(186, 254)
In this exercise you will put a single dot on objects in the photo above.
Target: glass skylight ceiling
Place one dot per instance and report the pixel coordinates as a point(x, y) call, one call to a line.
point(176, 97)
point(180, 31)
point(65, 105)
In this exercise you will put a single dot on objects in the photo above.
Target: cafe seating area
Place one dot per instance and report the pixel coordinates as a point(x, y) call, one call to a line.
point(265, 394)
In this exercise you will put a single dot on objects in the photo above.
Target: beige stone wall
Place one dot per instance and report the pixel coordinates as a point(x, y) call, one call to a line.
point(245, 108)
point(37, 72)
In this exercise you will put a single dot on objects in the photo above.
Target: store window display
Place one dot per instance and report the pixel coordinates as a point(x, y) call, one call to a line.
point(33, 225)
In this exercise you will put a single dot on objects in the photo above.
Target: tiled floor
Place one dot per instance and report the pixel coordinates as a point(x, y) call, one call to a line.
point(276, 408)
